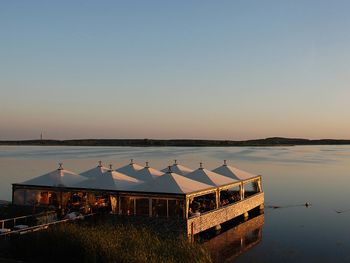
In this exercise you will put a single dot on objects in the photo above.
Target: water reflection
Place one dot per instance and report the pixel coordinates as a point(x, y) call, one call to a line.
point(230, 244)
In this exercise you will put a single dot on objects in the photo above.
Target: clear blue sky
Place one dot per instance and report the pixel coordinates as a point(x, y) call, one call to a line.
point(174, 69)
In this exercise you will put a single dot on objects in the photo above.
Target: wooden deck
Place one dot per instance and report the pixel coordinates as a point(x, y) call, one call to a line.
point(218, 216)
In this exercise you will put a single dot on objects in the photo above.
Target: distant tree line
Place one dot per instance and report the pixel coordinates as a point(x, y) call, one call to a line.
point(275, 141)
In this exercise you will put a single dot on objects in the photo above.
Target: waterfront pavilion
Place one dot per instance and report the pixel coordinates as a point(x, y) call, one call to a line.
point(203, 199)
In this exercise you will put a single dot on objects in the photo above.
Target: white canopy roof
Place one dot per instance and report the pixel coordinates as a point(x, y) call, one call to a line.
point(147, 174)
point(172, 183)
point(233, 172)
point(110, 180)
point(59, 177)
point(178, 169)
point(209, 177)
point(96, 171)
point(130, 169)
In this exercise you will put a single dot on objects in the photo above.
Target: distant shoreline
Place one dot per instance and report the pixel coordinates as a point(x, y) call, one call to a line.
point(275, 141)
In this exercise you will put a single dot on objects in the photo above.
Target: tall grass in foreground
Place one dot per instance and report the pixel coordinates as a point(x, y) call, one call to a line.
point(106, 243)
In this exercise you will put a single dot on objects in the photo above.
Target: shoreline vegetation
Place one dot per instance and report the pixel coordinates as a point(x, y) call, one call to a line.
point(274, 141)
point(102, 238)
point(102, 242)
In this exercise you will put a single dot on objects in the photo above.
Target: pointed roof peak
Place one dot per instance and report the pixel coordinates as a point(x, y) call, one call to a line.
point(206, 176)
point(201, 165)
point(177, 168)
point(173, 183)
point(130, 169)
point(233, 172)
point(95, 171)
point(110, 180)
point(58, 177)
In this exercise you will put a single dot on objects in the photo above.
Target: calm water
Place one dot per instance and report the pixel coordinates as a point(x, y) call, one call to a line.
point(291, 176)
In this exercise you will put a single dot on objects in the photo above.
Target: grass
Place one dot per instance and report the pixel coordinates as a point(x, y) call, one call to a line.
point(103, 243)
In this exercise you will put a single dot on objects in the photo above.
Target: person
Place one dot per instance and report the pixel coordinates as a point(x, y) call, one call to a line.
point(212, 204)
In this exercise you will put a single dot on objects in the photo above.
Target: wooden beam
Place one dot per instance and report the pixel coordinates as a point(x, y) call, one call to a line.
point(167, 208)
point(150, 207)
point(119, 205)
point(228, 186)
point(134, 205)
point(241, 190)
point(217, 197)
point(259, 185)
point(187, 205)
point(200, 193)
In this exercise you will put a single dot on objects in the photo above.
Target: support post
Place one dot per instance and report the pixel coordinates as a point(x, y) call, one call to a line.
point(217, 197)
point(167, 208)
point(61, 201)
point(150, 207)
point(218, 227)
point(135, 199)
point(119, 205)
point(259, 185)
point(24, 197)
point(13, 194)
point(246, 215)
point(241, 190)
point(262, 207)
point(187, 207)
point(192, 230)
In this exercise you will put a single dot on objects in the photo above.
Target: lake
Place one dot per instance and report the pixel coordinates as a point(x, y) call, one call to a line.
point(292, 176)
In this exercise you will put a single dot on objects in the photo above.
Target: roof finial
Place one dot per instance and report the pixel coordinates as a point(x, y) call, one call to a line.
point(131, 161)
point(110, 167)
point(169, 170)
point(60, 166)
point(99, 163)
point(147, 165)
point(175, 161)
point(225, 164)
point(200, 165)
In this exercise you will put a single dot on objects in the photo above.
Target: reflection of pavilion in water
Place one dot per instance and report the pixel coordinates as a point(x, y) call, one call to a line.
point(237, 240)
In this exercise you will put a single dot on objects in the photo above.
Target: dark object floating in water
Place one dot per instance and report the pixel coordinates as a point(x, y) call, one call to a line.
point(341, 211)
point(274, 206)
point(307, 204)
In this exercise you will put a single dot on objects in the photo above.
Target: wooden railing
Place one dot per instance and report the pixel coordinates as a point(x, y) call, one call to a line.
point(220, 215)
point(45, 216)
point(39, 227)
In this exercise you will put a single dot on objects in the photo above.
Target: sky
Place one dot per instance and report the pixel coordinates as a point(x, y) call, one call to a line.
point(230, 70)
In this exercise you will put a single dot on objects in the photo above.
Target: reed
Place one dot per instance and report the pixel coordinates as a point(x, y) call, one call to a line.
point(104, 243)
